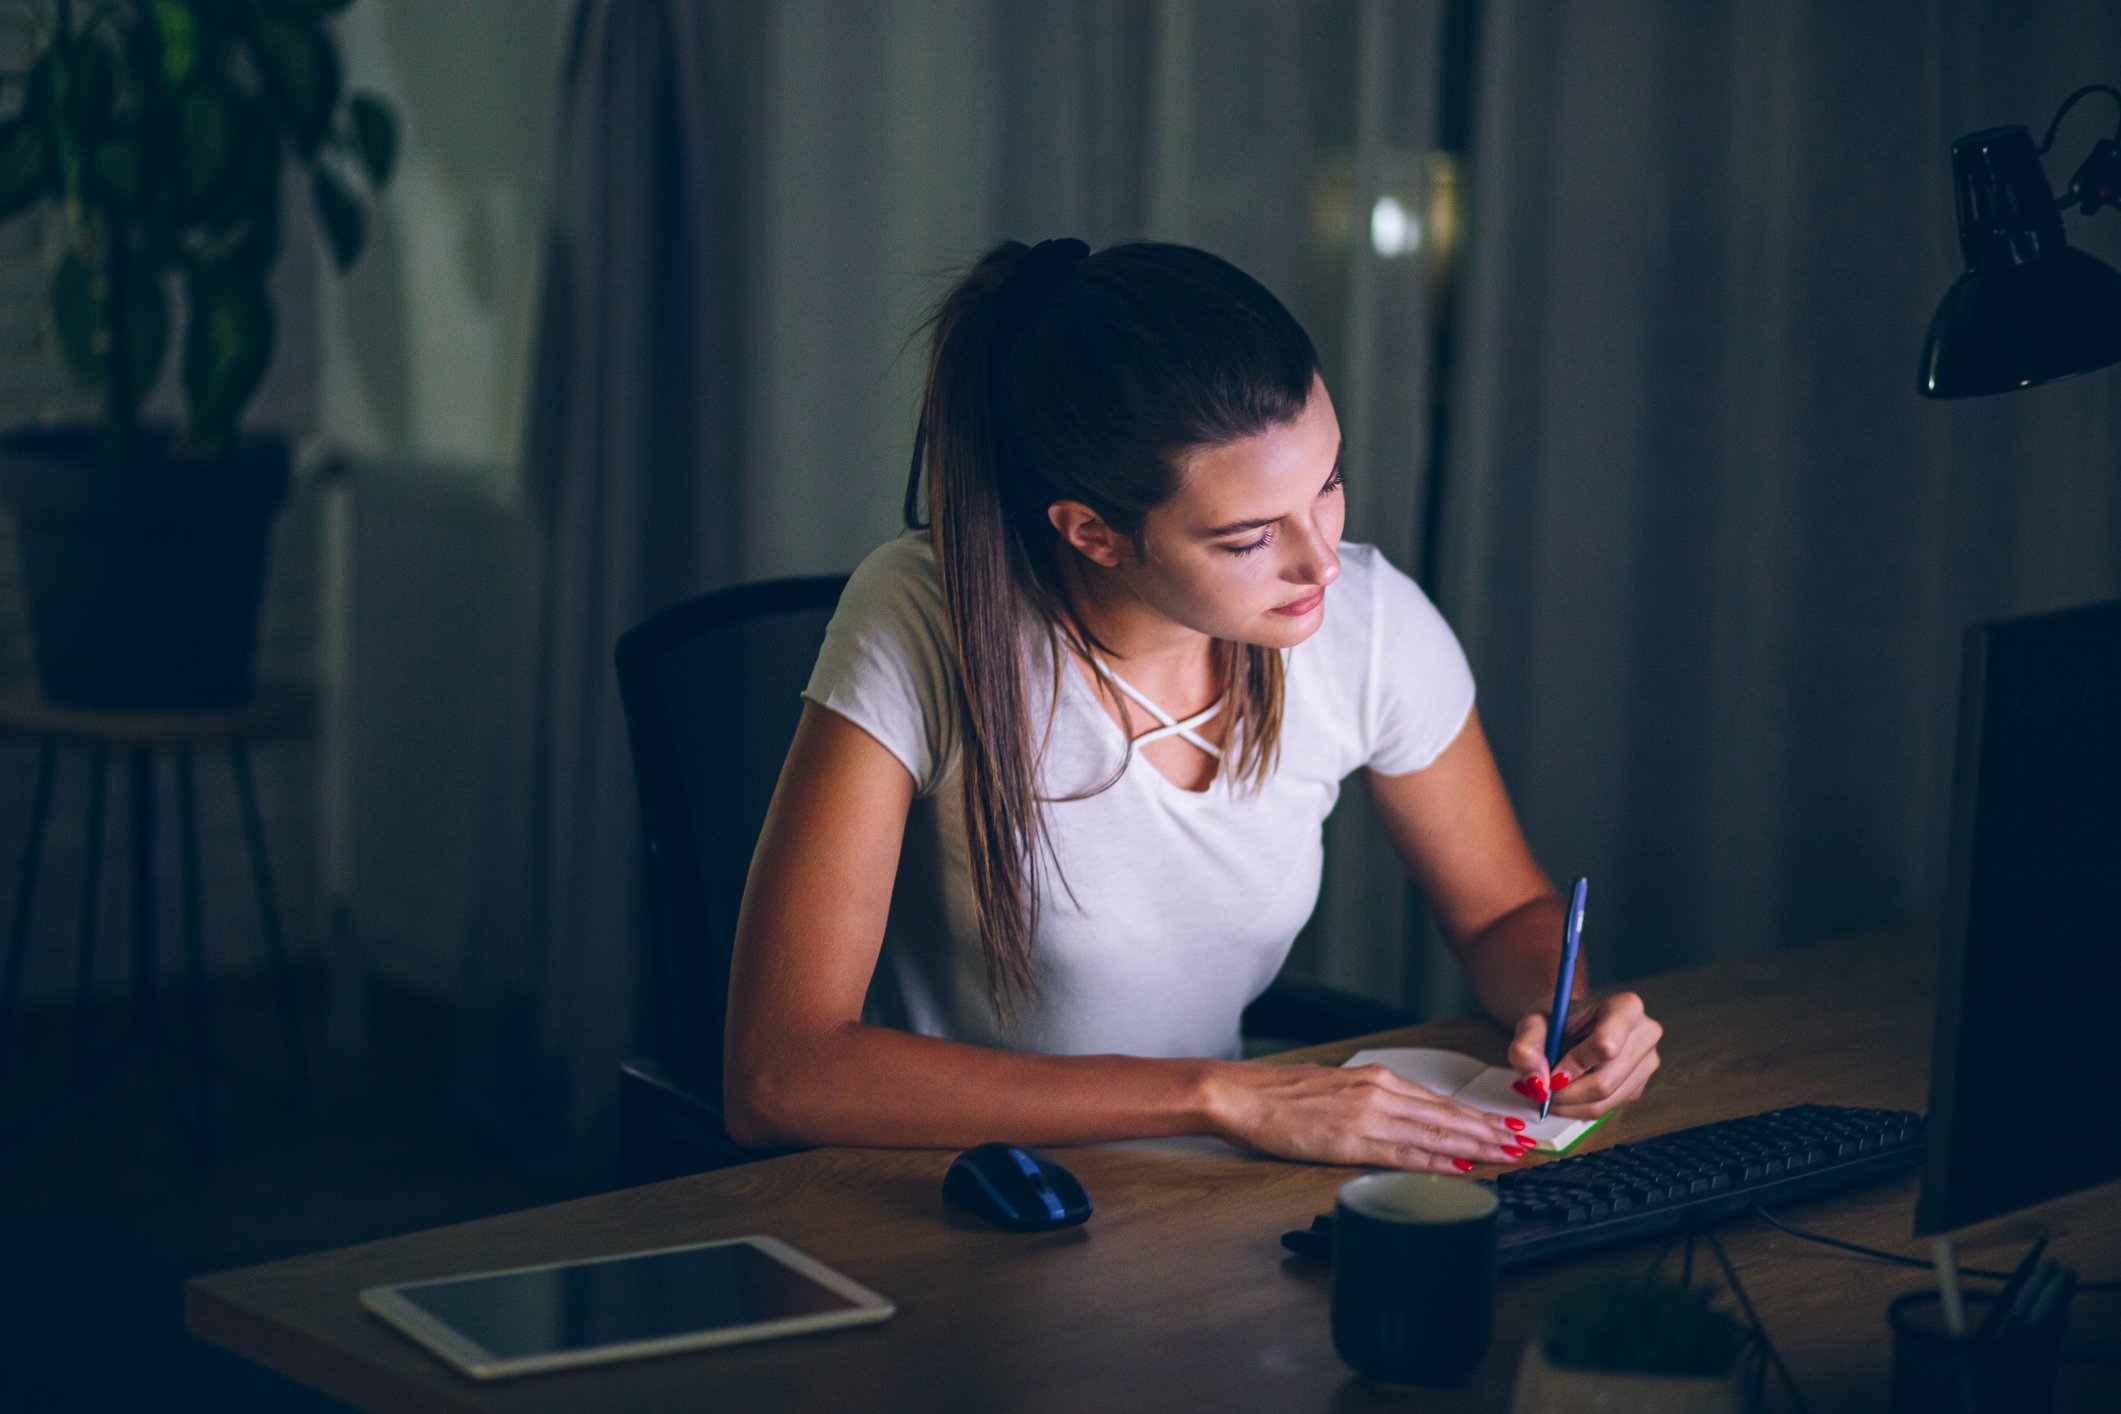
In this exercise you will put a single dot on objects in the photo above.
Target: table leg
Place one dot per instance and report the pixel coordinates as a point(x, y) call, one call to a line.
point(143, 842)
point(269, 917)
point(26, 891)
point(145, 967)
point(91, 897)
point(194, 945)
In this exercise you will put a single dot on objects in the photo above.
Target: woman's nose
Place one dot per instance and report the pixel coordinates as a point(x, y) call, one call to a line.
point(1316, 559)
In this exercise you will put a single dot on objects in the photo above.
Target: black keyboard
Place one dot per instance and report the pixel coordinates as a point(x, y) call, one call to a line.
point(1688, 1176)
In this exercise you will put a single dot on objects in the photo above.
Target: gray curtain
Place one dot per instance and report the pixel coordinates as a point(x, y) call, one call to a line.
point(1710, 553)
point(755, 206)
point(632, 476)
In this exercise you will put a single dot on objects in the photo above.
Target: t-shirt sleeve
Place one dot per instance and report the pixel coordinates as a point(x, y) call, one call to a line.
point(886, 663)
point(1420, 685)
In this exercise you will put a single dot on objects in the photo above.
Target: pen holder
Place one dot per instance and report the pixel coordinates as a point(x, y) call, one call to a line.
point(1936, 1372)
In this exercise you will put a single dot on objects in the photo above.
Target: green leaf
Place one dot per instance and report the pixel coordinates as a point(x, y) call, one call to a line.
point(227, 348)
point(303, 69)
point(37, 87)
point(25, 166)
point(87, 326)
point(341, 216)
point(84, 85)
point(376, 135)
point(180, 39)
point(147, 327)
point(117, 168)
point(74, 312)
point(205, 143)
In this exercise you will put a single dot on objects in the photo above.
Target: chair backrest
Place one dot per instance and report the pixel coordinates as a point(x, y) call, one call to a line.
point(712, 691)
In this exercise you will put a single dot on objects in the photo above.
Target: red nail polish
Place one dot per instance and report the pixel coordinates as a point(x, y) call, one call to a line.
point(1561, 1079)
point(1513, 1122)
point(1514, 1151)
point(1462, 1165)
point(1521, 1086)
point(1539, 1088)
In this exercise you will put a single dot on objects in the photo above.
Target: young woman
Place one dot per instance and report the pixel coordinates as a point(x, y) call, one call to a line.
point(1051, 818)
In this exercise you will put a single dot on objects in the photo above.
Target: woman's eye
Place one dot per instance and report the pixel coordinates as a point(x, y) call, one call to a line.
point(1260, 544)
point(1339, 480)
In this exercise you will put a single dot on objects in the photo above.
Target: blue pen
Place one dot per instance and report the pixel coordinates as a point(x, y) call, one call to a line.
point(1571, 938)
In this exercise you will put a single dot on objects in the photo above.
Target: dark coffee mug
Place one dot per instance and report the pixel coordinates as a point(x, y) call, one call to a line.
point(1413, 1276)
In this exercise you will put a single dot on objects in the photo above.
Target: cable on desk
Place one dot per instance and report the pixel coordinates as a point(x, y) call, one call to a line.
point(1896, 1258)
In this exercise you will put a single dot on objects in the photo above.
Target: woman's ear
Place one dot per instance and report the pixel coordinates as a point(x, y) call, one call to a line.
point(1081, 527)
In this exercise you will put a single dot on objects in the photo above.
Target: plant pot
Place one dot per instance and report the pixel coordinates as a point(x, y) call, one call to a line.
point(1543, 1388)
point(145, 582)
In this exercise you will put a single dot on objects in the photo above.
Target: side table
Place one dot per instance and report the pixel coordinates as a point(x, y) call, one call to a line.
point(275, 710)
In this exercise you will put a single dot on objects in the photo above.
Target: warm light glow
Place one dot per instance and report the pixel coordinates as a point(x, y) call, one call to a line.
point(1394, 230)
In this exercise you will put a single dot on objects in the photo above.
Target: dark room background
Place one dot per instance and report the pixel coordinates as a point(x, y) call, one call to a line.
point(1620, 306)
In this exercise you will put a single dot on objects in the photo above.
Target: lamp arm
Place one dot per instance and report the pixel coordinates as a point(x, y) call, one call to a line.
point(2097, 180)
point(2071, 102)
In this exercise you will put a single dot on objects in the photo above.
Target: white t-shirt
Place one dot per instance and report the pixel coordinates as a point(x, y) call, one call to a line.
point(1179, 906)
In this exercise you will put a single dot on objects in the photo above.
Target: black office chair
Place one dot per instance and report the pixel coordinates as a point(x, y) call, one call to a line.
point(712, 691)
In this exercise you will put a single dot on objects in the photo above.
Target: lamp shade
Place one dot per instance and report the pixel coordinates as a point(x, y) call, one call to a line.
point(2030, 308)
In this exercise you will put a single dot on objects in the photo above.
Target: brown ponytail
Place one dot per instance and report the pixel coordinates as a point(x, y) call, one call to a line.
point(1059, 375)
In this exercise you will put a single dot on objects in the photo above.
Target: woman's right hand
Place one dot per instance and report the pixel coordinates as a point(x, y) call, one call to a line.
point(1363, 1115)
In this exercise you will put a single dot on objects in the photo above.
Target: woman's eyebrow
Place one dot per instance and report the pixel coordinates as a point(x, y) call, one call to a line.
point(1235, 526)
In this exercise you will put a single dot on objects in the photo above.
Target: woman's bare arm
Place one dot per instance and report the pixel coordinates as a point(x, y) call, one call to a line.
point(1452, 826)
point(801, 1067)
point(799, 1064)
point(1454, 829)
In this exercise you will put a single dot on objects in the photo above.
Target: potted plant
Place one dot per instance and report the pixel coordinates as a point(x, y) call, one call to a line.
point(161, 131)
point(1635, 1346)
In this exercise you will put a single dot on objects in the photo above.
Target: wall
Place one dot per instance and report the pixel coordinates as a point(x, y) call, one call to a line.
point(423, 357)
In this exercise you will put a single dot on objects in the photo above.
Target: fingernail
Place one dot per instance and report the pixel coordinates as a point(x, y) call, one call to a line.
point(1561, 1079)
point(1521, 1086)
point(1513, 1122)
point(1513, 1150)
point(1462, 1165)
point(1539, 1088)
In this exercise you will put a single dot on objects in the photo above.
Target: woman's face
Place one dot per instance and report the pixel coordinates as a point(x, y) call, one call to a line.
point(1248, 545)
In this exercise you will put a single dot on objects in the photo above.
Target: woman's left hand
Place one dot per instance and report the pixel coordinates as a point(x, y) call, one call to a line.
point(1612, 1054)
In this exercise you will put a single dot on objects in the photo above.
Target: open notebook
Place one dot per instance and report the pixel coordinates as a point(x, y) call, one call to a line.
point(1484, 1087)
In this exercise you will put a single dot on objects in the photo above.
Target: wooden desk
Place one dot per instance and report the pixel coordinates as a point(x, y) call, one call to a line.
point(1177, 1294)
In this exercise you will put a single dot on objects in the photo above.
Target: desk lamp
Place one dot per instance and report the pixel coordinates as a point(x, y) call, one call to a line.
point(2039, 765)
point(2033, 819)
point(2030, 308)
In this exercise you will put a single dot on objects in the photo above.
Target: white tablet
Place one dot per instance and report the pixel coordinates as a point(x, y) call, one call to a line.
point(526, 1319)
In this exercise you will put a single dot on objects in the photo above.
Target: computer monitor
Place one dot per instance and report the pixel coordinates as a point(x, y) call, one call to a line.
point(2023, 1064)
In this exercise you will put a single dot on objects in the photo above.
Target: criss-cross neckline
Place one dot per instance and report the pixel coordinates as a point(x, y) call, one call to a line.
point(1171, 726)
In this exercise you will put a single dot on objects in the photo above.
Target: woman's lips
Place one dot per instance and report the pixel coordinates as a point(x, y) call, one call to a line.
point(1302, 606)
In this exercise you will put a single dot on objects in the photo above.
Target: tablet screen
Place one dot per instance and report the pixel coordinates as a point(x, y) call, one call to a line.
point(624, 1299)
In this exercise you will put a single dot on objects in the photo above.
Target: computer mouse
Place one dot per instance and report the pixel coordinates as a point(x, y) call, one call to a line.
point(1016, 1188)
